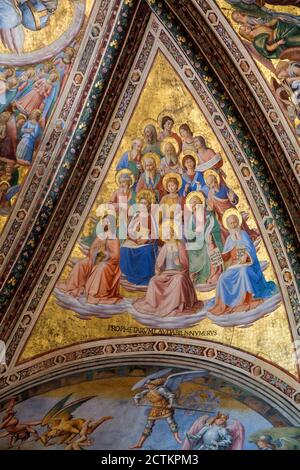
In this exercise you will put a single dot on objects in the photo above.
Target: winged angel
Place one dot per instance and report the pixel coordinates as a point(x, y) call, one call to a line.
point(15, 15)
point(160, 392)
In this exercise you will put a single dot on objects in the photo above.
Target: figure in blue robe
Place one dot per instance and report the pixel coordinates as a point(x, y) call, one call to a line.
point(138, 257)
point(127, 163)
point(211, 437)
point(195, 184)
point(36, 13)
point(30, 132)
point(242, 286)
point(10, 15)
point(138, 263)
point(15, 15)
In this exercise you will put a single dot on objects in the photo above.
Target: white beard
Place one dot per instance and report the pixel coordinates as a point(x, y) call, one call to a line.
point(149, 177)
point(235, 234)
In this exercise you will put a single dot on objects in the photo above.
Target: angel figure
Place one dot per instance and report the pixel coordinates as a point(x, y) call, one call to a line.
point(159, 390)
point(64, 428)
point(215, 434)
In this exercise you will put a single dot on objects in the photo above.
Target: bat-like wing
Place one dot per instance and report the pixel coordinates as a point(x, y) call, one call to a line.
point(55, 409)
point(156, 375)
point(66, 412)
point(175, 380)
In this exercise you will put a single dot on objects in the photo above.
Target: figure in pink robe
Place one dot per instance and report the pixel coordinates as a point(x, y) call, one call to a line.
point(170, 292)
point(35, 99)
point(98, 279)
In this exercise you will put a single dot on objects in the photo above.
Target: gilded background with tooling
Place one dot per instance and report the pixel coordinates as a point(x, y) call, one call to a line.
point(57, 328)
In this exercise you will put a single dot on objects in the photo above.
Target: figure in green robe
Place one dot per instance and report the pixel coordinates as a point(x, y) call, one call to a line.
point(201, 243)
point(276, 39)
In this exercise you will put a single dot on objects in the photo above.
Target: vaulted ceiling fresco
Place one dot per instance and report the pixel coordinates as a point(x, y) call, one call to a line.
point(185, 112)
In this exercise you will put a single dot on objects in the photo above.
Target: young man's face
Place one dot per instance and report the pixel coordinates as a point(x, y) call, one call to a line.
point(169, 125)
point(221, 421)
point(172, 187)
point(190, 164)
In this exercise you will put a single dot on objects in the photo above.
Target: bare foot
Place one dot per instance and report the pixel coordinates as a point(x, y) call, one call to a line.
point(136, 446)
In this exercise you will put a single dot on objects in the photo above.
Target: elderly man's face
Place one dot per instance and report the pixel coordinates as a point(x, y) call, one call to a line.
point(148, 135)
point(138, 146)
point(170, 152)
point(195, 201)
point(212, 182)
point(149, 166)
point(246, 29)
point(233, 222)
point(124, 183)
point(240, 18)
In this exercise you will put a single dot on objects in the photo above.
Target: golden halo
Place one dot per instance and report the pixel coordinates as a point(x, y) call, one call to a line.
point(196, 194)
point(154, 156)
point(169, 176)
point(164, 113)
point(4, 183)
point(230, 212)
point(190, 153)
point(146, 194)
point(170, 140)
point(145, 123)
point(126, 172)
point(211, 173)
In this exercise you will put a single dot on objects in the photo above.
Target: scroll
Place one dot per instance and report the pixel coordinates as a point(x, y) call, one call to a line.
point(216, 258)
